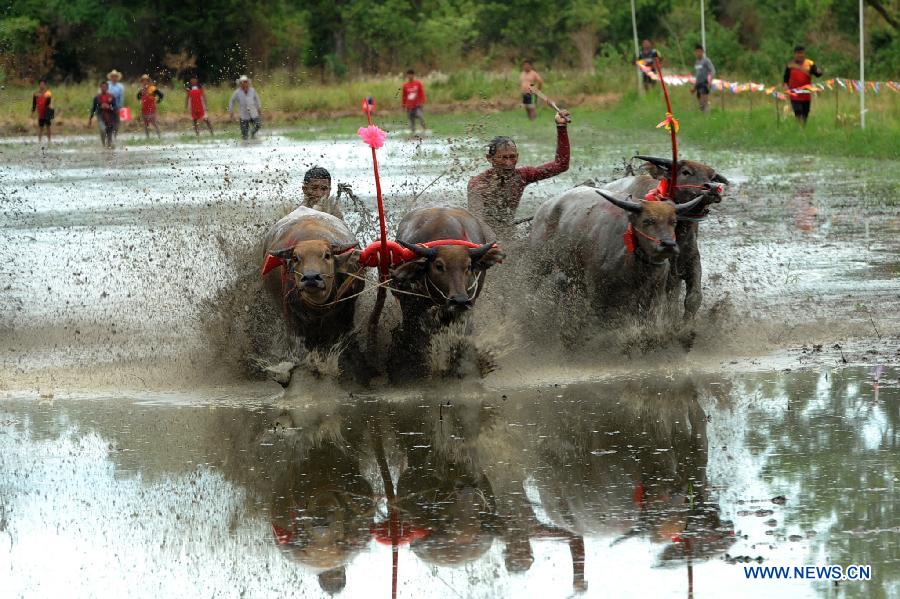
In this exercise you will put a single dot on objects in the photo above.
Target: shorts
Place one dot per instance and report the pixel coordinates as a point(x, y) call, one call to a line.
point(44, 122)
point(149, 119)
point(801, 109)
point(702, 89)
point(415, 113)
point(529, 99)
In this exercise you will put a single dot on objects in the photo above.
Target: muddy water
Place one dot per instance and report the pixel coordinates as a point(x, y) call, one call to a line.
point(132, 440)
point(660, 486)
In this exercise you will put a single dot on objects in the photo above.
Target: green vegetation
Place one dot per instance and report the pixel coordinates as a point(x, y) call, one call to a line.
point(219, 39)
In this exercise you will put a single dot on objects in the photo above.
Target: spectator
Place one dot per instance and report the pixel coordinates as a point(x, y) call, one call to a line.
point(117, 90)
point(248, 107)
point(105, 108)
point(414, 100)
point(648, 58)
point(704, 71)
point(797, 75)
point(148, 96)
point(196, 103)
point(529, 78)
point(40, 104)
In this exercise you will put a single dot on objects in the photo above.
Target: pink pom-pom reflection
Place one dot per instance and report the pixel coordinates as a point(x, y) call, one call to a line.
point(372, 135)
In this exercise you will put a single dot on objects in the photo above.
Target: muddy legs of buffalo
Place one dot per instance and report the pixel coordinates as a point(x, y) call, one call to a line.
point(693, 296)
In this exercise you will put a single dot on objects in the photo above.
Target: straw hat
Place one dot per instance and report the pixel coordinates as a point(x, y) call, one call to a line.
point(145, 77)
point(243, 78)
point(113, 73)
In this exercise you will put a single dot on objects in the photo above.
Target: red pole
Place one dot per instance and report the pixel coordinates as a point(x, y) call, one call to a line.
point(673, 173)
point(384, 262)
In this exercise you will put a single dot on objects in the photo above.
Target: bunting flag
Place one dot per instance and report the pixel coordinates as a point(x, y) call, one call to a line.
point(852, 85)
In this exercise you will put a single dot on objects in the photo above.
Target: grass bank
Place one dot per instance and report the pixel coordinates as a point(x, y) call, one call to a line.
point(478, 104)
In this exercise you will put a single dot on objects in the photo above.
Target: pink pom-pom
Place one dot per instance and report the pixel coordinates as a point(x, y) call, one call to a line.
point(372, 136)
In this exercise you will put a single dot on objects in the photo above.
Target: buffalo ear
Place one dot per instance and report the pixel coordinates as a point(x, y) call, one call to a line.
point(720, 179)
point(347, 261)
point(409, 270)
point(493, 256)
point(284, 254)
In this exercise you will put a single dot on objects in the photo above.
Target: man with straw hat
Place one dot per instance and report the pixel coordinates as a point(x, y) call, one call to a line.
point(248, 107)
point(116, 89)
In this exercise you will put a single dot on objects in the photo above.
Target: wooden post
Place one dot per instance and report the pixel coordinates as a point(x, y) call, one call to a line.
point(777, 112)
point(837, 108)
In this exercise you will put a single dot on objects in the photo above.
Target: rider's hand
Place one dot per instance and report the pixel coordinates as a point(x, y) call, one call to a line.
point(563, 117)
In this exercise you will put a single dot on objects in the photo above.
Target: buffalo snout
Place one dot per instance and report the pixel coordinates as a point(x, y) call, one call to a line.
point(459, 303)
point(668, 246)
point(312, 279)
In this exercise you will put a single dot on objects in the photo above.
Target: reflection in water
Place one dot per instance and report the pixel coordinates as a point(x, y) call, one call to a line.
point(594, 489)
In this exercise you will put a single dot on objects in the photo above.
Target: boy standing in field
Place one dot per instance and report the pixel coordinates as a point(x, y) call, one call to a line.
point(105, 108)
point(196, 103)
point(704, 71)
point(40, 104)
point(648, 58)
point(117, 89)
point(148, 97)
point(529, 78)
point(797, 75)
point(414, 100)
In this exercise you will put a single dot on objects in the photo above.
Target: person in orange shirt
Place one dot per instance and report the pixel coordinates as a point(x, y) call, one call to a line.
point(529, 78)
point(414, 100)
point(797, 74)
point(40, 104)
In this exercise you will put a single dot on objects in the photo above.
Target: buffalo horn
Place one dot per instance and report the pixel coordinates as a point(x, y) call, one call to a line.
point(660, 162)
point(720, 179)
point(687, 206)
point(624, 204)
point(284, 254)
point(422, 252)
point(479, 252)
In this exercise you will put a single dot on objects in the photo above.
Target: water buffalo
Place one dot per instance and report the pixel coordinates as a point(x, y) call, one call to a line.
point(693, 177)
point(615, 249)
point(447, 278)
point(308, 263)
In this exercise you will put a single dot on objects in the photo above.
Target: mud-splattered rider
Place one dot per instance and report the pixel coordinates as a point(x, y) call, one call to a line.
point(494, 195)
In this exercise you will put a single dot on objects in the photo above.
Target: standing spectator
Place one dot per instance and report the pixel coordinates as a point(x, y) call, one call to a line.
point(648, 58)
point(105, 108)
point(798, 74)
point(148, 96)
point(414, 100)
point(117, 89)
point(196, 103)
point(40, 103)
point(704, 71)
point(529, 78)
point(248, 107)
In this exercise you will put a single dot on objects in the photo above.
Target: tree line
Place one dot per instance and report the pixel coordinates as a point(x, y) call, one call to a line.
point(71, 40)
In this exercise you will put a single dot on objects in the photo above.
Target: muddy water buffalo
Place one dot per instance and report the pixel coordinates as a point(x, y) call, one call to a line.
point(308, 263)
point(444, 278)
point(617, 250)
point(693, 177)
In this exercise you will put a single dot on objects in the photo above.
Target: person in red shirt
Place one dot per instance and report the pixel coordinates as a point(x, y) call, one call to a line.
point(798, 74)
point(414, 100)
point(494, 195)
point(40, 104)
point(105, 108)
point(196, 103)
point(149, 96)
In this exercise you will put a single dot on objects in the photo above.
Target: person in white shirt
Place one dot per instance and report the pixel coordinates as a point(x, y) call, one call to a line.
point(248, 107)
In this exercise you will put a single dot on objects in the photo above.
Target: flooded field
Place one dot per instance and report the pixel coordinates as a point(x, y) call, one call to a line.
point(137, 457)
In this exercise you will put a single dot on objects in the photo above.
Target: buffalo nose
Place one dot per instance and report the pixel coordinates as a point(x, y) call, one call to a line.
point(311, 279)
point(460, 302)
point(669, 245)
